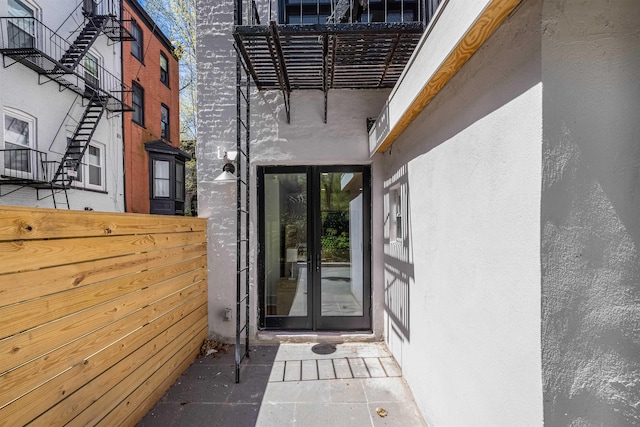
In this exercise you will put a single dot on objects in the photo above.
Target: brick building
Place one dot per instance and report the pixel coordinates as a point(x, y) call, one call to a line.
point(154, 165)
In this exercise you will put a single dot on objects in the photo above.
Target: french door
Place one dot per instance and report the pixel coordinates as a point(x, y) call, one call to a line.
point(314, 257)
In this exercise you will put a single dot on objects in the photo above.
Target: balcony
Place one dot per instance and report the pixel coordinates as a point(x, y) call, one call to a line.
point(328, 44)
point(31, 43)
point(25, 167)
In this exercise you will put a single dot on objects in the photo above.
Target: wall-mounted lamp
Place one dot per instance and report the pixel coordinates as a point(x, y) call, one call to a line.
point(228, 170)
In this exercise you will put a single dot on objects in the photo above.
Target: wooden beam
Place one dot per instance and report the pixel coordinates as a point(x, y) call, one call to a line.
point(28, 223)
point(490, 19)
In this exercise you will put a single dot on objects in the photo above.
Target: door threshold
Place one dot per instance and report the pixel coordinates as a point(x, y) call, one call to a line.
point(276, 337)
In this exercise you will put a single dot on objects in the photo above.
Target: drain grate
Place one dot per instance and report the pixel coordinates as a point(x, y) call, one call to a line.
point(323, 348)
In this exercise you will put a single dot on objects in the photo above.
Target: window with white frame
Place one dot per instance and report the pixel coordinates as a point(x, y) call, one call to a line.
point(95, 166)
point(21, 27)
point(19, 134)
point(91, 64)
point(395, 214)
point(161, 179)
point(91, 170)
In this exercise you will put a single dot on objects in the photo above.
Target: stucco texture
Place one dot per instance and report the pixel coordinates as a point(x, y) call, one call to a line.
point(462, 289)
point(590, 213)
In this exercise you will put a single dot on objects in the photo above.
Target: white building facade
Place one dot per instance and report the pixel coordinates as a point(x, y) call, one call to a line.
point(485, 227)
point(62, 100)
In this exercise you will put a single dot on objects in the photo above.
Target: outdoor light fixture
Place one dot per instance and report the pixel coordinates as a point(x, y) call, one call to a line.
point(228, 170)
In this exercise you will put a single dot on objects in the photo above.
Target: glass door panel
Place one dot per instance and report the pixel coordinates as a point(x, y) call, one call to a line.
point(285, 239)
point(341, 242)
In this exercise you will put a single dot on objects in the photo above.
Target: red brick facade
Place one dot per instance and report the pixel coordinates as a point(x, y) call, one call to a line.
point(146, 74)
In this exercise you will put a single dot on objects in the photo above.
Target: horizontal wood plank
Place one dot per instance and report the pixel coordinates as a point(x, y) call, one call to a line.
point(19, 223)
point(21, 317)
point(25, 378)
point(94, 307)
point(26, 346)
point(161, 378)
point(88, 402)
point(52, 392)
point(47, 253)
point(66, 277)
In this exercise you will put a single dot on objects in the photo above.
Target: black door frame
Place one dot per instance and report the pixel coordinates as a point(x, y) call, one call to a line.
point(313, 320)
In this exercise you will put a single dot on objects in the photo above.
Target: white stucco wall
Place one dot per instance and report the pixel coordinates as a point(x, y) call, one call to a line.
point(590, 212)
point(57, 112)
point(463, 299)
point(306, 141)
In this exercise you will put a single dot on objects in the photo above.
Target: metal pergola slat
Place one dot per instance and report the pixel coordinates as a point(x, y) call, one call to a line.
point(326, 56)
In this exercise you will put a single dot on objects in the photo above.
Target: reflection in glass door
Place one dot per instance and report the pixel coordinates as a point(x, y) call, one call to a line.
point(314, 252)
point(285, 249)
point(341, 244)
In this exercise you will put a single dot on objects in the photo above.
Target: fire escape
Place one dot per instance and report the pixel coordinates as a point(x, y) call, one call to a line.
point(27, 41)
point(333, 44)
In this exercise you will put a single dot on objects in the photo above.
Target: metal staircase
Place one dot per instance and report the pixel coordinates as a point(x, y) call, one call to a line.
point(72, 158)
point(61, 61)
point(90, 32)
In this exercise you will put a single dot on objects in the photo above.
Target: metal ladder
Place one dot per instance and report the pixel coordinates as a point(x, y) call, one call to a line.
point(243, 135)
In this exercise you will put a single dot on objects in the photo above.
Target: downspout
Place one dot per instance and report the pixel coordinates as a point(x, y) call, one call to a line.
point(124, 151)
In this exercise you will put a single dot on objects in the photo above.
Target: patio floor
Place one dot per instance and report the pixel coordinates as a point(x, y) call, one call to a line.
point(291, 385)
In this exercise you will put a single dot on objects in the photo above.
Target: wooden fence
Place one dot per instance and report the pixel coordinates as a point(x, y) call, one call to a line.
point(99, 313)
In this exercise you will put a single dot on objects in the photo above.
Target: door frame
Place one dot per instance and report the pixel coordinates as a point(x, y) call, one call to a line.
point(314, 321)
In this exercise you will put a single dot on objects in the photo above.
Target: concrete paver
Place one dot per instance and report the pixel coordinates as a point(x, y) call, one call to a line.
point(290, 385)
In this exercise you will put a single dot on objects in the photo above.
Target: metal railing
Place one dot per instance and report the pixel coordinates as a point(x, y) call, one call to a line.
point(348, 11)
point(101, 7)
point(18, 34)
point(93, 8)
point(26, 165)
point(31, 42)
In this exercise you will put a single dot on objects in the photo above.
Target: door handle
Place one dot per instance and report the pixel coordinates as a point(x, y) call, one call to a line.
point(318, 262)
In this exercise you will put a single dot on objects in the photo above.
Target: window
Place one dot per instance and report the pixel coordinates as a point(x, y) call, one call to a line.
point(91, 166)
point(322, 11)
point(18, 141)
point(21, 27)
point(166, 178)
point(164, 121)
point(164, 69)
point(137, 99)
point(89, 7)
point(91, 70)
point(161, 178)
point(95, 163)
point(179, 181)
point(75, 174)
point(136, 45)
point(395, 212)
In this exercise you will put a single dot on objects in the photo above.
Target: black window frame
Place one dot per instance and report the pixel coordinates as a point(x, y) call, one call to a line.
point(164, 73)
point(165, 127)
point(317, 13)
point(138, 43)
point(173, 204)
point(135, 87)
